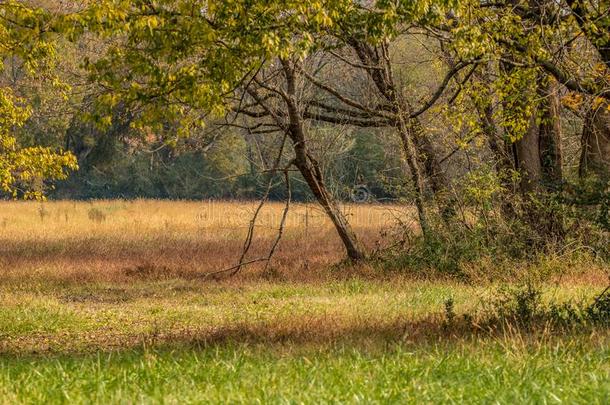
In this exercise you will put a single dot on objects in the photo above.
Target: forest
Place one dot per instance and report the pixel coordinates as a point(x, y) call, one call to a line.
point(221, 179)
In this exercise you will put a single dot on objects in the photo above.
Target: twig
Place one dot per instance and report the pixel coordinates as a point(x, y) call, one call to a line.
point(600, 296)
point(250, 236)
point(241, 264)
point(283, 221)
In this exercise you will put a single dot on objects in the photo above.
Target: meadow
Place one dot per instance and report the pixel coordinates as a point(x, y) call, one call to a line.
point(108, 302)
point(117, 240)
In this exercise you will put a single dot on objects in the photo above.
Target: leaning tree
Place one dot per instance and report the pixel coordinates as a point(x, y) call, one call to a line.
point(184, 61)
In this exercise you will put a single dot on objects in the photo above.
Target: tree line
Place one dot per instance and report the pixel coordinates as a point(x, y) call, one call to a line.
point(462, 108)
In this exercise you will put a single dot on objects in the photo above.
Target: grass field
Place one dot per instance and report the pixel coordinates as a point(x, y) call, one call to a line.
point(116, 240)
point(106, 302)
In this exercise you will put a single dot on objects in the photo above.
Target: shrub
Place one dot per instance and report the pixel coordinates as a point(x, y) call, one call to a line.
point(491, 240)
point(451, 247)
point(524, 307)
point(600, 310)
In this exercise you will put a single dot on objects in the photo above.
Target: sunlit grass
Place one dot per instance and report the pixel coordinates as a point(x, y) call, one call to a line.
point(105, 317)
point(109, 240)
point(484, 371)
point(344, 341)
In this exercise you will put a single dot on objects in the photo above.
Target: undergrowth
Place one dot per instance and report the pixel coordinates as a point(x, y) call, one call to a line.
point(491, 243)
point(523, 307)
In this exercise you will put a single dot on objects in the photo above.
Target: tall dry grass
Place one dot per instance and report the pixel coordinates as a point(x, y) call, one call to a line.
point(116, 240)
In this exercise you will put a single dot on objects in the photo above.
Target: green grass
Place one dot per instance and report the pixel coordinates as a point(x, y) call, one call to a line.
point(458, 372)
point(354, 341)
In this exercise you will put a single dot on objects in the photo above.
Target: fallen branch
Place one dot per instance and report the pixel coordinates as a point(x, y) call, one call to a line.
point(233, 270)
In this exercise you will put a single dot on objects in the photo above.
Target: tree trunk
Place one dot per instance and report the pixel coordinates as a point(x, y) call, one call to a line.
point(538, 153)
point(311, 173)
point(496, 143)
point(428, 158)
point(526, 153)
point(419, 150)
point(538, 159)
point(595, 156)
point(406, 136)
point(550, 137)
point(495, 134)
point(310, 170)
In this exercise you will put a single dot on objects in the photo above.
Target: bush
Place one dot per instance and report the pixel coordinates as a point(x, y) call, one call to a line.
point(600, 310)
point(524, 307)
point(453, 246)
point(493, 240)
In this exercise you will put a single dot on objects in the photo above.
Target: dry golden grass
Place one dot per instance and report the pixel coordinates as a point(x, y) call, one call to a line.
point(120, 240)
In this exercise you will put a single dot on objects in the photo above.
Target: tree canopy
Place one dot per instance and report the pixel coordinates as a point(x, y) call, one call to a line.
point(464, 97)
point(23, 169)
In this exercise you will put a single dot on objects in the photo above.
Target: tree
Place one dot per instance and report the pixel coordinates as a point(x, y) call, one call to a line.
point(23, 170)
point(274, 69)
point(570, 43)
point(180, 61)
point(290, 117)
point(593, 18)
point(595, 156)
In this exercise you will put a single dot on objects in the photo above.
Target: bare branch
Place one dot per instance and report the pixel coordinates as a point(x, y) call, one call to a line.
point(353, 64)
point(339, 110)
point(441, 89)
point(283, 221)
point(347, 120)
point(344, 99)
